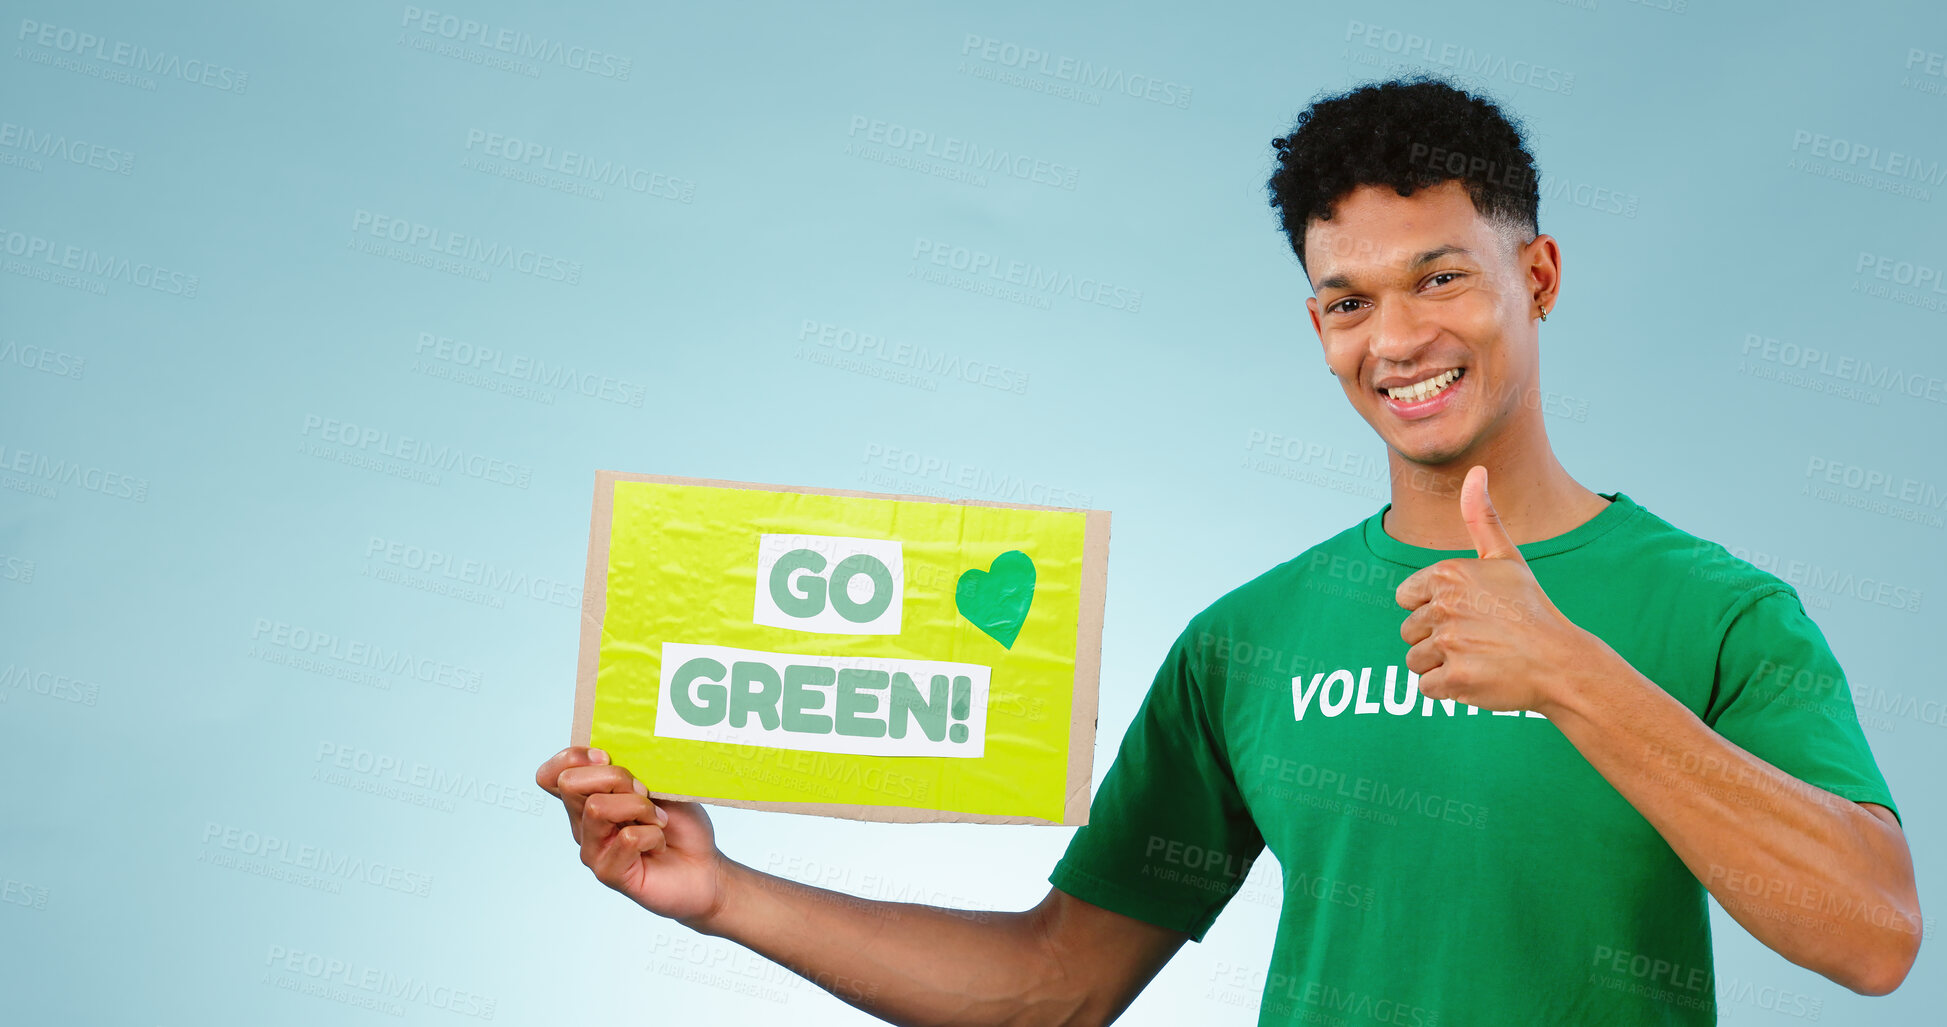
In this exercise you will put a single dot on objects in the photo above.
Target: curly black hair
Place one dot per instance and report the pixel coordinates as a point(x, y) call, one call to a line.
point(1407, 133)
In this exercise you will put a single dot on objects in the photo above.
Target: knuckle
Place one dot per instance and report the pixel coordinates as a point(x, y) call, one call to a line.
point(645, 837)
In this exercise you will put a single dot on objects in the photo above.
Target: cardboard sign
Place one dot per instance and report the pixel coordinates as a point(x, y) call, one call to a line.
point(849, 654)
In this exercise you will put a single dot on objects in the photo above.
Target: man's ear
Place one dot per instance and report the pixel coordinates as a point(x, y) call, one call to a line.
point(1540, 264)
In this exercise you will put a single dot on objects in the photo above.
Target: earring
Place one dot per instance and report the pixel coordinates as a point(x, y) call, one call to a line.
point(1544, 313)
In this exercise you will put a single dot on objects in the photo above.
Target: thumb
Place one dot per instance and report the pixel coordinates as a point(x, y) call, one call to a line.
point(1483, 523)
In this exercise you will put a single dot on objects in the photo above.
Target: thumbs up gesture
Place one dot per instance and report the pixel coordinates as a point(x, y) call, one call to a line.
point(1481, 630)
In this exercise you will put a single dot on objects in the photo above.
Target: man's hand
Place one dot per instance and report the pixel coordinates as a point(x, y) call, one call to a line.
point(662, 855)
point(1481, 630)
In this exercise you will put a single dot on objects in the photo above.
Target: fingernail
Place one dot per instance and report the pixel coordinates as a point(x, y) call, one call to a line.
point(640, 788)
point(662, 819)
point(597, 756)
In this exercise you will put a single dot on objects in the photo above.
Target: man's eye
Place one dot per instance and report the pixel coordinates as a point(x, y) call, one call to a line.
point(1444, 274)
point(1339, 307)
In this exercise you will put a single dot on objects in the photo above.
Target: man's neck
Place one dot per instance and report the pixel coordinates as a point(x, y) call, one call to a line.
point(1534, 495)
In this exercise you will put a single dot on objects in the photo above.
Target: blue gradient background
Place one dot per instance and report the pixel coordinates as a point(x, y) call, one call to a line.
point(200, 727)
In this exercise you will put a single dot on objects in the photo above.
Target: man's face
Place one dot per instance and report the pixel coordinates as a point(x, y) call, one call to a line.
point(1421, 291)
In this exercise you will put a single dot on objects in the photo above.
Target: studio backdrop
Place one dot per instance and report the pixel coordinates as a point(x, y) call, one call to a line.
point(317, 321)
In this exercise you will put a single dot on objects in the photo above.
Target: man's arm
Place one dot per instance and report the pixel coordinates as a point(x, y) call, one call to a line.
point(1065, 961)
point(1825, 882)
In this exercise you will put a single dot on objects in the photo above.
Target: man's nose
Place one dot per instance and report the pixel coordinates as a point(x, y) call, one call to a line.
point(1401, 331)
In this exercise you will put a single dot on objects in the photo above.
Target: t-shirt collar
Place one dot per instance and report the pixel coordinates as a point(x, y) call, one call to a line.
point(1620, 509)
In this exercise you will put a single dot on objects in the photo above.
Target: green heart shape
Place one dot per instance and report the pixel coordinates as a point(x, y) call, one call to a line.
point(996, 600)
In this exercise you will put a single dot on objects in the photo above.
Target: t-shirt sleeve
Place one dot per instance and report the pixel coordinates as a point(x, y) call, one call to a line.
point(1169, 839)
point(1781, 696)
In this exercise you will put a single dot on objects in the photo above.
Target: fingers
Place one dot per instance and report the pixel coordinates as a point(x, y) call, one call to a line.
point(1418, 588)
point(578, 783)
point(1425, 656)
point(575, 773)
point(604, 819)
point(643, 838)
point(1418, 626)
point(611, 862)
point(1484, 527)
point(573, 756)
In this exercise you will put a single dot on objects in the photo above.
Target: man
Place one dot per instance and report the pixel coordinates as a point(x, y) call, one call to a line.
point(1500, 746)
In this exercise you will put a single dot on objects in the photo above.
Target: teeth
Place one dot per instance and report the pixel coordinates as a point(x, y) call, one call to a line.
point(1421, 390)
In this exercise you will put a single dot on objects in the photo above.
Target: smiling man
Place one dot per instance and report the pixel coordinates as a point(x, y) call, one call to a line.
point(1501, 747)
point(1527, 732)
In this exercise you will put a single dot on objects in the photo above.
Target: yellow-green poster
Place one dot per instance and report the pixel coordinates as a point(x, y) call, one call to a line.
point(852, 654)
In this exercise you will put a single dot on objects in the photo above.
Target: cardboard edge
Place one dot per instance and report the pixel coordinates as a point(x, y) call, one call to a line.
point(751, 486)
point(878, 814)
point(594, 606)
point(1088, 666)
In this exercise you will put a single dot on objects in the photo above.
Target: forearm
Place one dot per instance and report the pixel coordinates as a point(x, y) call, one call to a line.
point(902, 962)
point(1814, 876)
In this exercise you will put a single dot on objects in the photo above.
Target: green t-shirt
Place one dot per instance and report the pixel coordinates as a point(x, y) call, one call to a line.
point(1445, 864)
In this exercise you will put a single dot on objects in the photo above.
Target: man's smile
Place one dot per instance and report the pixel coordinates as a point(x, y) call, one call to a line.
point(1413, 399)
